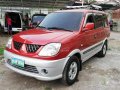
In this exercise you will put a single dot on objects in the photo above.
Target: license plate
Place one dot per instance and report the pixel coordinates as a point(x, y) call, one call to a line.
point(18, 62)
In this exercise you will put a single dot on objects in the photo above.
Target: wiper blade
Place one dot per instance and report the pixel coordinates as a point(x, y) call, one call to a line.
point(59, 28)
point(42, 27)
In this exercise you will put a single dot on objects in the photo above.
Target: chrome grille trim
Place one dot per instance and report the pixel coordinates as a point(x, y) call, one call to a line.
point(31, 48)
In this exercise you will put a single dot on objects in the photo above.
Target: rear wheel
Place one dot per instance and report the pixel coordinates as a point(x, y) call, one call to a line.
point(103, 51)
point(71, 71)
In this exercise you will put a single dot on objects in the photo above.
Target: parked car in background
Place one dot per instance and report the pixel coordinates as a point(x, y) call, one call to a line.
point(36, 19)
point(59, 45)
point(16, 17)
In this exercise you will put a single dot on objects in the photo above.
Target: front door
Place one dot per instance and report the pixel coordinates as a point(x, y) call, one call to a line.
point(88, 39)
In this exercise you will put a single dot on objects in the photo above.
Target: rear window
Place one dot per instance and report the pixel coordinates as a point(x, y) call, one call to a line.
point(67, 20)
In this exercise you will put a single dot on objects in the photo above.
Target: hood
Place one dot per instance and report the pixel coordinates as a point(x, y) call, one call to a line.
point(41, 36)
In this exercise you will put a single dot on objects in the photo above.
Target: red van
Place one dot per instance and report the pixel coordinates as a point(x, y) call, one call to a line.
point(59, 45)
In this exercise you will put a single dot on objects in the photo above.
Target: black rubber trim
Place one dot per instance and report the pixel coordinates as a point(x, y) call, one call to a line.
point(92, 48)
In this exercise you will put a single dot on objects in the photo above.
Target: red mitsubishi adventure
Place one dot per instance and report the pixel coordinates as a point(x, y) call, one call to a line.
point(59, 45)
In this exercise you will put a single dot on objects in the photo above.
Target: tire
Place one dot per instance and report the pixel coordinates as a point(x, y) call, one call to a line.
point(102, 53)
point(71, 71)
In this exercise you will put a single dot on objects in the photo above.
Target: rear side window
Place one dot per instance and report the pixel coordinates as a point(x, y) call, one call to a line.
point(100, 20)
point(105, 19)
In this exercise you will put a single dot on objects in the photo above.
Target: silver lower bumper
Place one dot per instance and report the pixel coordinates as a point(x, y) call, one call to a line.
point(54, 67)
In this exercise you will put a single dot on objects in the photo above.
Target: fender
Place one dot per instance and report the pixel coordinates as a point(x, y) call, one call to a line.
point(70, 55)
point(74, 52)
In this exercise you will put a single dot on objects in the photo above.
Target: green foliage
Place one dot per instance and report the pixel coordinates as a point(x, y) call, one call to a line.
point(1, 51)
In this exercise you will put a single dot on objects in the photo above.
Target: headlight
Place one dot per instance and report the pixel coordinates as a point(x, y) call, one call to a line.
point(50, 49)
point(9, 43)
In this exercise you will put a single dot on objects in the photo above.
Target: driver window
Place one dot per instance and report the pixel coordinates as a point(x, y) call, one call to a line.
point(90, 19)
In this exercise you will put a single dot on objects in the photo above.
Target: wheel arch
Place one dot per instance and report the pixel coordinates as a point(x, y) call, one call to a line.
point(77, 53)
point(80, 61)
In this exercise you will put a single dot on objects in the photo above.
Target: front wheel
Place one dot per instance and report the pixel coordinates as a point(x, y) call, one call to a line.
point(71, 71)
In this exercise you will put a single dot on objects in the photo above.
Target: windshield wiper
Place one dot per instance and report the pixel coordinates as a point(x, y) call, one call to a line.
point(59, 28)
point(42, 27)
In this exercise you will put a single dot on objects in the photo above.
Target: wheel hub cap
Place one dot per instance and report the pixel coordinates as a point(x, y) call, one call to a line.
point(73, 70)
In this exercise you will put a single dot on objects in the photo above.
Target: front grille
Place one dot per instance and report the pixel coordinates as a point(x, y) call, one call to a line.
point(31, 48)
point(27, 68)
point(17, 45)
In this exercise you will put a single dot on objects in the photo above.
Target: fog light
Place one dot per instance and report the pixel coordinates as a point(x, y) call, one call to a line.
point(44, 71)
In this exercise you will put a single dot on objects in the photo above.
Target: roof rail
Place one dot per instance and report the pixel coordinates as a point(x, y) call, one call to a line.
point(90, 7)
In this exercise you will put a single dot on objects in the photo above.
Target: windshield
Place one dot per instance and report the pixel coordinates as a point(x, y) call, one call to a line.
point(62, 20)
point(38, 18)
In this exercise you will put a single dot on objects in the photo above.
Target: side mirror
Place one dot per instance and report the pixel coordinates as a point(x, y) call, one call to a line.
point(89, 26)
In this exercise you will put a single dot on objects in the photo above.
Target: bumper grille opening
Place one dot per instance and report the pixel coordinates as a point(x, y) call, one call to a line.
point(27, 68)
point(31, 48)
point(17, 45)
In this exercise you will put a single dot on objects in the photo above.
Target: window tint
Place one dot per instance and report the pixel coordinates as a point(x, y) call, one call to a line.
point(105, 20)
point(100, 20)
point(67, 20)
point(90, 19)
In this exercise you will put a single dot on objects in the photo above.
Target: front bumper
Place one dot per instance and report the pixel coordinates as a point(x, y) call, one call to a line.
point(54, 67)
